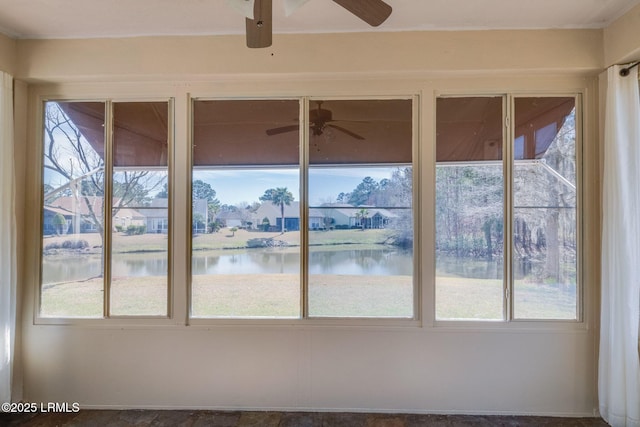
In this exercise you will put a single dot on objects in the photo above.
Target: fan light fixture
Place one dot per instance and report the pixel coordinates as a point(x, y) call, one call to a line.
point(320, 119)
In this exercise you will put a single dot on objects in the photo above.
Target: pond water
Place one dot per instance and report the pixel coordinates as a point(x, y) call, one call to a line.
point(377, 262)
point(448, 265)
point(383, 261)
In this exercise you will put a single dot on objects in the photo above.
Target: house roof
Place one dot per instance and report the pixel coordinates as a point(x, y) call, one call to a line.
point(229, 215)
point(68, 205)
point(60, 211)
point(129, 213)
point(290, 211)
point(351, 211)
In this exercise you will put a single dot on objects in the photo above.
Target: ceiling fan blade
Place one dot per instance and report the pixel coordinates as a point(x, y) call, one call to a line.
point(283, 129)
point(347, 131)
point(290, 6)
point(244, 7)
point(259, 28)
point(373, 12)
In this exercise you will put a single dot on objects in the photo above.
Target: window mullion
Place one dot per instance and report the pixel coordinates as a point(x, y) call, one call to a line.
point(508, 210)
point(580, 267)
point(508, 137)
point(304, 208)
point(107, 206)
point(171, 209)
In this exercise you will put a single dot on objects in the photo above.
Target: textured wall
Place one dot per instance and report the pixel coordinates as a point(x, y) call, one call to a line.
point(525, 368)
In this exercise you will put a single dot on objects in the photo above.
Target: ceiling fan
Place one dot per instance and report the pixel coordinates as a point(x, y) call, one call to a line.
point(259, 15)
point(319, 120)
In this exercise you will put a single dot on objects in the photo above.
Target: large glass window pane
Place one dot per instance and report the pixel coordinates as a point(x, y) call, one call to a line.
point(544, 197)
point(140, 215)
point(246, 209)
point(469, 209)
point(360, 215)
point(72, 215)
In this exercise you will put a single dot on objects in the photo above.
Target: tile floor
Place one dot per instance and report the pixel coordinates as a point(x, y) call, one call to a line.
point(143, 418)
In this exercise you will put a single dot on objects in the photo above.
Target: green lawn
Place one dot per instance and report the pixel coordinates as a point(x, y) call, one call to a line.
point(278, 295)
point(223, 239)
point(132, 296)
point(463, 298)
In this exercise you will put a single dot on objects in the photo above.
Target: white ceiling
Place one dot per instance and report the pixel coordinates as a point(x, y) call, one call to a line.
point(43, 19)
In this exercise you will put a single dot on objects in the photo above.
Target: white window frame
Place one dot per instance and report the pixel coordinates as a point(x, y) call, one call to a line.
point(303, 165)
point(508, 105)
point(107, 318)
point(423, 87)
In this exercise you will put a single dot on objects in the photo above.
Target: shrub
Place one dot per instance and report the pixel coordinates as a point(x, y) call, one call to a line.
point(342, 227)
point(119, 228)
point(59, 223)
point(52, 246)
point(265, 243)
point(136, 230)
point(257, 243)
point(74, 244)
point(215, 226)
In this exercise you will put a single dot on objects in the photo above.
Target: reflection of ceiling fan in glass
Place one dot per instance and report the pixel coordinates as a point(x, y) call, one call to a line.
point(319, 120)
point(259, 15)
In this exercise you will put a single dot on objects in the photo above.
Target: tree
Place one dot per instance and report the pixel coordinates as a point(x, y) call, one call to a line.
point(395, 192)
point(362, 215)
point(164, 193)
point(131, 191)
point(200, 190)
point(343, 197)
point(362, 194)
point(469, 210)
point(198, 223)
point(328, 221)
point(203, 190)
point(74, 161)
point(71, 159)
point(278, 196)
point(59, 222)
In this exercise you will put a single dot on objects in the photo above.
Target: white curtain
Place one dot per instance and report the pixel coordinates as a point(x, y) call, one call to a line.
point(7, 239)
point(619, 362)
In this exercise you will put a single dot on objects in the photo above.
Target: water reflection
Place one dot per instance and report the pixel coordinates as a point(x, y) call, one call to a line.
point(321, 261)
point(469, 267)
point(70, 268)
point(356, 261)
point(483, 269)
point(374, 262)
point(251, 261)
point(136, 265)
point(383, 261)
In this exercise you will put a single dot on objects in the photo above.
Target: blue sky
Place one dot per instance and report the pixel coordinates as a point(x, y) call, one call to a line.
point(234, 186)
